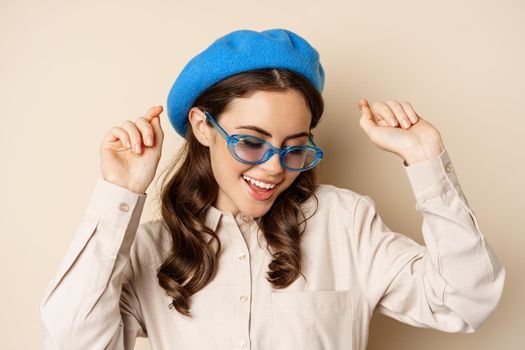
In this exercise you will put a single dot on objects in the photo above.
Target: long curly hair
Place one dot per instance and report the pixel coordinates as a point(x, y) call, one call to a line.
point(187, 195)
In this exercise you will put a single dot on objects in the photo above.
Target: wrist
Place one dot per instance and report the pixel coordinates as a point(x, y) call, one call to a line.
point(136, 189)
point(421, 154)
point(130, 187)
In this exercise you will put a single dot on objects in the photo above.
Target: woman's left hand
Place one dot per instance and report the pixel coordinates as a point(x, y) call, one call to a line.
point(396, 127)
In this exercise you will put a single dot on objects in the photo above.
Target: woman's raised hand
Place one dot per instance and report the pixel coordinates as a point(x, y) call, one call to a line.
point(130, 154)
point(396, 127)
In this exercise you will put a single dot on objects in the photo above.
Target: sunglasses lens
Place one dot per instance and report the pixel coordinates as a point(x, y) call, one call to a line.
point(299, 158)
point(251, 149)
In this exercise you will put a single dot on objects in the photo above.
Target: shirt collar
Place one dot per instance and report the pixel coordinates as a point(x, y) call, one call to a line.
point(213, 216)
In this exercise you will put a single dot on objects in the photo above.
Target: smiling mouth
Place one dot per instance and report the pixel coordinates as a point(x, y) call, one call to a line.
point(258, 193)
point(261, 188)
point(260, 184)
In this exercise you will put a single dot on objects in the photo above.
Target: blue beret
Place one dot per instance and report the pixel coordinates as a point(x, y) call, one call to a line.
point(236, 52)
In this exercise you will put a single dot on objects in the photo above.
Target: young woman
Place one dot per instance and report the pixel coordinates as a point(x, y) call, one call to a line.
point(250, 252)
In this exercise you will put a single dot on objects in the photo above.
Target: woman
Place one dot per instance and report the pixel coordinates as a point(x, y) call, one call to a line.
point(251, 252)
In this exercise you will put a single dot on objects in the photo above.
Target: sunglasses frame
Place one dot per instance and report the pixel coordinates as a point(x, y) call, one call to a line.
point(232, 141)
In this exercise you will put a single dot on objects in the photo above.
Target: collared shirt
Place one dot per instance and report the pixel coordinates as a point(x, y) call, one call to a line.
point(106, 292)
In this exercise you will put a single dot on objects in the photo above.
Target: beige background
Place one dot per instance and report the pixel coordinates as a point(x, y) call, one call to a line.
point(69, 70)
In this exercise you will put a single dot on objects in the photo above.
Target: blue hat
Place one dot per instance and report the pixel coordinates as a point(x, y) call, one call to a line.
point(236, 52)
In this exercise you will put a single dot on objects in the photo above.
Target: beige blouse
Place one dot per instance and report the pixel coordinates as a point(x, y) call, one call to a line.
point(106, 292)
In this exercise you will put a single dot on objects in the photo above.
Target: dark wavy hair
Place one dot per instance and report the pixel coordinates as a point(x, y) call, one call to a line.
point(185, 198)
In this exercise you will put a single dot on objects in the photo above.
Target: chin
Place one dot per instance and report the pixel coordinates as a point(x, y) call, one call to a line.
point(256, 211)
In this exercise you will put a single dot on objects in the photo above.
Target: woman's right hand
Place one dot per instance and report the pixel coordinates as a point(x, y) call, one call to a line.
point(127, 158)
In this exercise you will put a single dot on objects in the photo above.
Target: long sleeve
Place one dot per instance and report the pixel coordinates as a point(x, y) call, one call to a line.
point(90, 303)
point(452, 283)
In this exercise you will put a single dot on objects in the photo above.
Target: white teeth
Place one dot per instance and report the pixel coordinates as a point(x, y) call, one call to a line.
point(259, 183)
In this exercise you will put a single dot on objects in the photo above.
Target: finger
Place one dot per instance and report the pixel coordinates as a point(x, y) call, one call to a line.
point(364, 102)
point(134, 135)
point(146, 131)
point(153, 112)
point(157, 129)
point(399, 113)
point(118, 134)
point(366, 121)
point(409, 110)
point(377, 119)
point(384, 112)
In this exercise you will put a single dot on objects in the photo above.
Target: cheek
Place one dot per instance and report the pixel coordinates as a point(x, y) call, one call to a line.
point(289, 179)
point(226, 169)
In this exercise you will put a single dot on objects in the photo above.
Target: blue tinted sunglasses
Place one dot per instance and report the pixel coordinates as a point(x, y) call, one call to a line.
point(249, 149)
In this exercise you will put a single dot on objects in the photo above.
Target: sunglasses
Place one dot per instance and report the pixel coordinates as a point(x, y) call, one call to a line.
point(249, 149)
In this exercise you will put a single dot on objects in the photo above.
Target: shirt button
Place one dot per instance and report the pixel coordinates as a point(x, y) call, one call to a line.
point(241, 256)
point(448, 167)
point(245, 218)
point(123, 207)
point(243, 298)
point(243, 343)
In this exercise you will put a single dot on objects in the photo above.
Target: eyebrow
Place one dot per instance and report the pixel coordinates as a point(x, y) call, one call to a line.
point(266, 133)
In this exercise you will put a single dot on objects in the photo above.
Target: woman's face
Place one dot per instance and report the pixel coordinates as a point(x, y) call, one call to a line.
point(272, 116)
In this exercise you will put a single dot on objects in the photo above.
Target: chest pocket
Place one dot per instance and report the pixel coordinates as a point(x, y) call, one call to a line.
point(312, 320)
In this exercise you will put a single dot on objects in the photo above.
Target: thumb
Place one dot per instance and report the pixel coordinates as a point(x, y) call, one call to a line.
point(155, 124)
point(366, 121)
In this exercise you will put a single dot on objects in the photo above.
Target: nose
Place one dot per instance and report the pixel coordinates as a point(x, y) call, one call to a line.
point(273, 165)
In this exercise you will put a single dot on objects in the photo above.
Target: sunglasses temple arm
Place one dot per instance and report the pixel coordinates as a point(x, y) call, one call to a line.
point(217, 126)
point(312, 141)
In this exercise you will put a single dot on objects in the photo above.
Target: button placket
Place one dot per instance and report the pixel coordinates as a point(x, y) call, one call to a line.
point(243, 307)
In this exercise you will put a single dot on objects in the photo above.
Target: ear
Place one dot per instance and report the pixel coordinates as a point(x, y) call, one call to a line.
point(202, 131)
